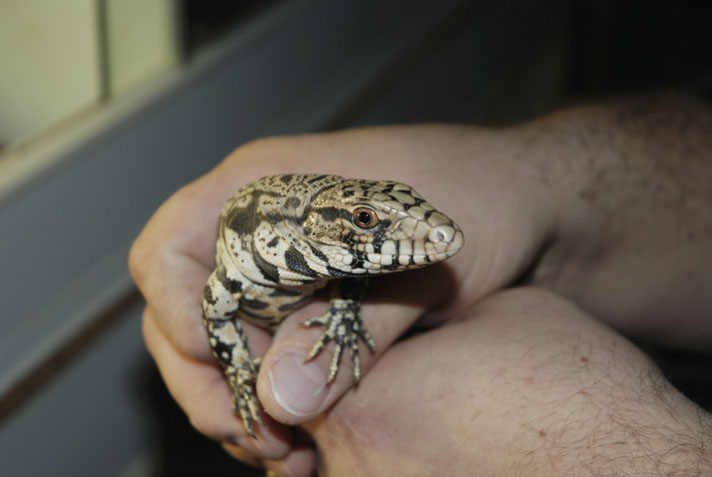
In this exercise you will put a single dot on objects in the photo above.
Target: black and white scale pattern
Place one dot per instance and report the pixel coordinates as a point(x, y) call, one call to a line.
point(283, 237)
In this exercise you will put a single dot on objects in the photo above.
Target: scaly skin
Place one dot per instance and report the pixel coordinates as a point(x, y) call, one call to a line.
point(282, 238)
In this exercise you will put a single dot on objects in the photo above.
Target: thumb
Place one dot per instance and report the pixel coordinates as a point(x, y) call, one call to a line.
point(293, 389)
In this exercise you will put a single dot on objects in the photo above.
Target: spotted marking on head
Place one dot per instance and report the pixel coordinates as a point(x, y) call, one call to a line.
point(303, 229)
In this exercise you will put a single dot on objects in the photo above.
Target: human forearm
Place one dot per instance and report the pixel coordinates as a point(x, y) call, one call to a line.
point(523, 383)
point(632, 180)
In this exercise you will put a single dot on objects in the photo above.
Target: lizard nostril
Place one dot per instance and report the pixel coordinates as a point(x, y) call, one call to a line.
point(441, 233)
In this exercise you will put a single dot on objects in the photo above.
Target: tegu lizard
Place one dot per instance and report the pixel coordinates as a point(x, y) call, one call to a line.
point(284, 237)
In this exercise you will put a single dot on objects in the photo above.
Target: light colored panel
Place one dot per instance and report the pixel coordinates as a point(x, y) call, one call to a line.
point(141, 40)
point(48, 63)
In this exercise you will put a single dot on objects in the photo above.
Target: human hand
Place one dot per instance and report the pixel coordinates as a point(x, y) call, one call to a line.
point(521, 383)
point(174, 255)
point(525, 199)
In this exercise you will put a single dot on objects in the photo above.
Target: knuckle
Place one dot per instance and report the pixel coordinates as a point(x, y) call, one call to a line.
point(194, 343)
point(148, 328)
point(256, 149)
point(243, 455)
point(205, 426)
point(137, 260)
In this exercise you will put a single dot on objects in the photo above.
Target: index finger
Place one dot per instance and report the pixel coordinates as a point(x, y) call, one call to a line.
point(171, 260)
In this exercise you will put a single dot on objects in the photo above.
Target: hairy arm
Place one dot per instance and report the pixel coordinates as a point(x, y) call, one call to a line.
point(523, 383)
point(632, 180)
point(605, 204)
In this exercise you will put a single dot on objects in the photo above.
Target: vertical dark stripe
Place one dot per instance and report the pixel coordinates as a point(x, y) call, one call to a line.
point(297, 263)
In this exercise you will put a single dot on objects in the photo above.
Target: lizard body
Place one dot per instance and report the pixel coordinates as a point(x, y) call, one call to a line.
point(284, 237)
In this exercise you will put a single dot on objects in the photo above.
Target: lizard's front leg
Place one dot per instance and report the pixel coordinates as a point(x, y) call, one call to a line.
point(229, 345)
point(343, 325)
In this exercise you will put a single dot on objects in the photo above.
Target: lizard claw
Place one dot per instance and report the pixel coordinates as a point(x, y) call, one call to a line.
point(242, 382)
point(343, 326)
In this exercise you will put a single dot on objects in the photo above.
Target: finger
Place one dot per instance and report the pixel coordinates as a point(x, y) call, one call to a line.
point(294, 389)
point(201, 390)
point(177, 302)
point(243, 455)
point(171, 260)
point(301, 460)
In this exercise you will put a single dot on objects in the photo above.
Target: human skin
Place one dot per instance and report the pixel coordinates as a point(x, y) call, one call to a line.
point(606, 205)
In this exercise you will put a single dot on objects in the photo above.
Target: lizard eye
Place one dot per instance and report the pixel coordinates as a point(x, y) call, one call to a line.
point(365, 218)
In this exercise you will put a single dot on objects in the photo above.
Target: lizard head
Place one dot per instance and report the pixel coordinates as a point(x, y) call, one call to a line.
point(361, 227)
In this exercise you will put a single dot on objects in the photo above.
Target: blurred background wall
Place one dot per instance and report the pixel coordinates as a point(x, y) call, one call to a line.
point(107, 106)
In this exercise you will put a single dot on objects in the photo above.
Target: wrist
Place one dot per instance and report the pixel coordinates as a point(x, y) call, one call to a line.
point(510, 206)
point(632, 213)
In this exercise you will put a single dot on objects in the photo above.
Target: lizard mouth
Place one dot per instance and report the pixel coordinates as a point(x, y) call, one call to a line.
point(387, 262)
point(441, 243)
